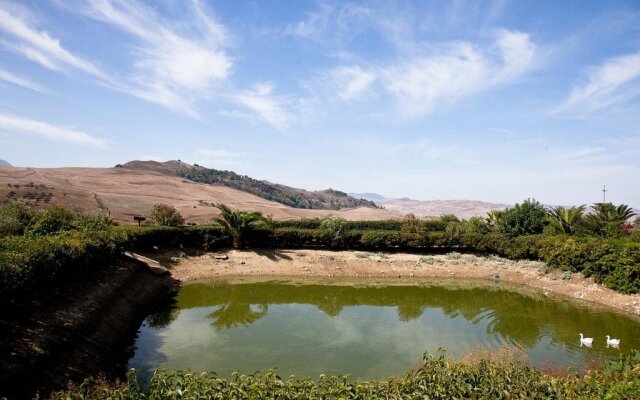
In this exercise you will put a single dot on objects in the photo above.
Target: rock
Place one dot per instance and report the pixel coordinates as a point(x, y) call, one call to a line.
point(221, 256)
point(242, 262)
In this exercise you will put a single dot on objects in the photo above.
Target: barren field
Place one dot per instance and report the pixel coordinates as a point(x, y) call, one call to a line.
point(125, 193)
point(363, 267)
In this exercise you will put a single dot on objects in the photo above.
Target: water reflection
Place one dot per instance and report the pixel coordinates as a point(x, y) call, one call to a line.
point(305, 329)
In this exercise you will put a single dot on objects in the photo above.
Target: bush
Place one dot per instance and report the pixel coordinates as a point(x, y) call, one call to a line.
point(50, 221)
point(333, 230)
point(15, 217)
point(436, 378)
point(165, 215)
point(527, 218)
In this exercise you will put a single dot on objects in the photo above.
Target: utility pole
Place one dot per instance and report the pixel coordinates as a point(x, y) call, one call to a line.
point(604, 194)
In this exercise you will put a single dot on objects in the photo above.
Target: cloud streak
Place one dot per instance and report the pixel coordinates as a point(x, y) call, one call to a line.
point(20, 81)
point(14, 124)
point(39, 46)
point(612, 83)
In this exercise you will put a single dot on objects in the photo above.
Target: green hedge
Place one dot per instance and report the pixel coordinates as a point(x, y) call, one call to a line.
point(33, 263)
point(436, 225)
point(437, 378)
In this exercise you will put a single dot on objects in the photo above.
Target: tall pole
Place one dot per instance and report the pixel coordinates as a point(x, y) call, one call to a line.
point(604, 194)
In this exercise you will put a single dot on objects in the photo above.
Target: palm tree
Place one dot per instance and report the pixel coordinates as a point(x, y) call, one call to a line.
point(607, 219)
point(238, 223)
point(565, 220)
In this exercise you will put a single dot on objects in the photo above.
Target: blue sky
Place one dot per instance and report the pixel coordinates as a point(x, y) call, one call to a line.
point(494, 101)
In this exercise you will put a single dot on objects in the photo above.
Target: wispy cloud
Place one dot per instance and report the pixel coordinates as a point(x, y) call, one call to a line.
point(20, 81)
point(352, 82)
point(269, 107)
point(175, 64)
point(457, 70)
point(14, 124)
point(612, 83)
point(38, 45)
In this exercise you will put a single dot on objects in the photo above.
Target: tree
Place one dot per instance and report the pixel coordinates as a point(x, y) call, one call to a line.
point(333, 230)
point(166, 215)
point(50, 221)
point(527, 218)
point(565, 220)
point(410, 224)
point(238, 223)
point(608, 219)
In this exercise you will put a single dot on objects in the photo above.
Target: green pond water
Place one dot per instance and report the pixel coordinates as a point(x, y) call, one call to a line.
point(368, 332)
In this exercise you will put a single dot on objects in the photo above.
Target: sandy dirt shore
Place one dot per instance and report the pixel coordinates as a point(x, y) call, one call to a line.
point(314, 264)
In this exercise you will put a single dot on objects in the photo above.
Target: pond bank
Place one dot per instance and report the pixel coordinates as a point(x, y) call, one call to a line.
point(309, 264)
point(84, 328)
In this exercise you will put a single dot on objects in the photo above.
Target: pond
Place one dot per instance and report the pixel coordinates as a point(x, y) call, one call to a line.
point(368, 331)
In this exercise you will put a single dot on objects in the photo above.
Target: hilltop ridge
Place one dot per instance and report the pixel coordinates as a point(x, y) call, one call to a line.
point(328, 199)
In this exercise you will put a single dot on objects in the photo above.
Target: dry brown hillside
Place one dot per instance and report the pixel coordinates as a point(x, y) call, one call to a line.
point(126, 192)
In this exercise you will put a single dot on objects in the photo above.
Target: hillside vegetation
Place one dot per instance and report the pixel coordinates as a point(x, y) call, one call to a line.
point(328, 199)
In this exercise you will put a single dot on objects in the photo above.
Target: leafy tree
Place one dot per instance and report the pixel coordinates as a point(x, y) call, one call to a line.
point(449, 218)
point(166, 215)
point(50, 221)
point(608, 219)
point(238, 223)
point(333, 229)
point(15, 217)
point(523, 219)
point(410, 224)
point(565, 220)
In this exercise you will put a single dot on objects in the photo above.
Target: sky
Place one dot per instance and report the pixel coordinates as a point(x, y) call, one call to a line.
point(483, 100)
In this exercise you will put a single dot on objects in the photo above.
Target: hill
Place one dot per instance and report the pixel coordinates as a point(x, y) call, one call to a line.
point(434, 208)
point(4, 163)
point(126, 192)
point(328, 199)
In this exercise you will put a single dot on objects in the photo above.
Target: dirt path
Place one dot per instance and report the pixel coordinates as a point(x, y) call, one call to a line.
point(309, 264)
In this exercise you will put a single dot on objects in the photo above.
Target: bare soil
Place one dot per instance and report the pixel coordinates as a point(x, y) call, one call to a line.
point(358, 266)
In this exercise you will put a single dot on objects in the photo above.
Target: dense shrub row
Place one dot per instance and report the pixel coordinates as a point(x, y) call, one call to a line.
point(437, 378)
point(31, 263)
point(436, 225)
point(28, 262)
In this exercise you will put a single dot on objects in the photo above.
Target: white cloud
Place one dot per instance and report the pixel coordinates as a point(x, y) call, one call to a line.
point(20, 81)
point(352, 82)
point(175, 64)
point(13, 124)
point(458, 70)
point(38, 45)
point(269, 107)
point(612, 83)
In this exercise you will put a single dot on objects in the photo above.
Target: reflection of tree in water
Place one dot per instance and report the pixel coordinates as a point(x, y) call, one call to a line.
point(409, 311)
point(234, 313)
point(517, 317)
point(165, 313)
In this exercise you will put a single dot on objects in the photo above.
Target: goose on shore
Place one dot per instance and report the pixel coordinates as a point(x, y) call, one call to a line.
point(587, 341)
point(612, 342)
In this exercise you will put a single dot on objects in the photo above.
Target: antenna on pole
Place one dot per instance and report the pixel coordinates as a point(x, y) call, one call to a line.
point(604, 194)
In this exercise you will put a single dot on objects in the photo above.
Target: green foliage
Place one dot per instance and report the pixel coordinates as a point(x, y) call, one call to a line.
point(527, 218)
point(165, 215)
point(92, 222)
point(329, 199)
point(333, 230)
point(237, 224)
point(565, 220)
point(15, 217)
point(51, 220)
point(608, 219)
point(436, 378)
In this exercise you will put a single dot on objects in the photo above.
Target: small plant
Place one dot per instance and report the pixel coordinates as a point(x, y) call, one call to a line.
point(453, 256)
point(300, 253)
point(362, 254)
point(382, 255)
point(566, 275)
point(427, 260)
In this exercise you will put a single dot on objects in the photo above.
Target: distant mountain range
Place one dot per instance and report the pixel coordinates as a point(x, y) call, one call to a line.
point(4, 163)
point(433, 208)
point(328, 199)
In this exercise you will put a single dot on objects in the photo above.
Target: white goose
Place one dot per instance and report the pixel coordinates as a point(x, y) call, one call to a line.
point(587, 341)
point(612, 342)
